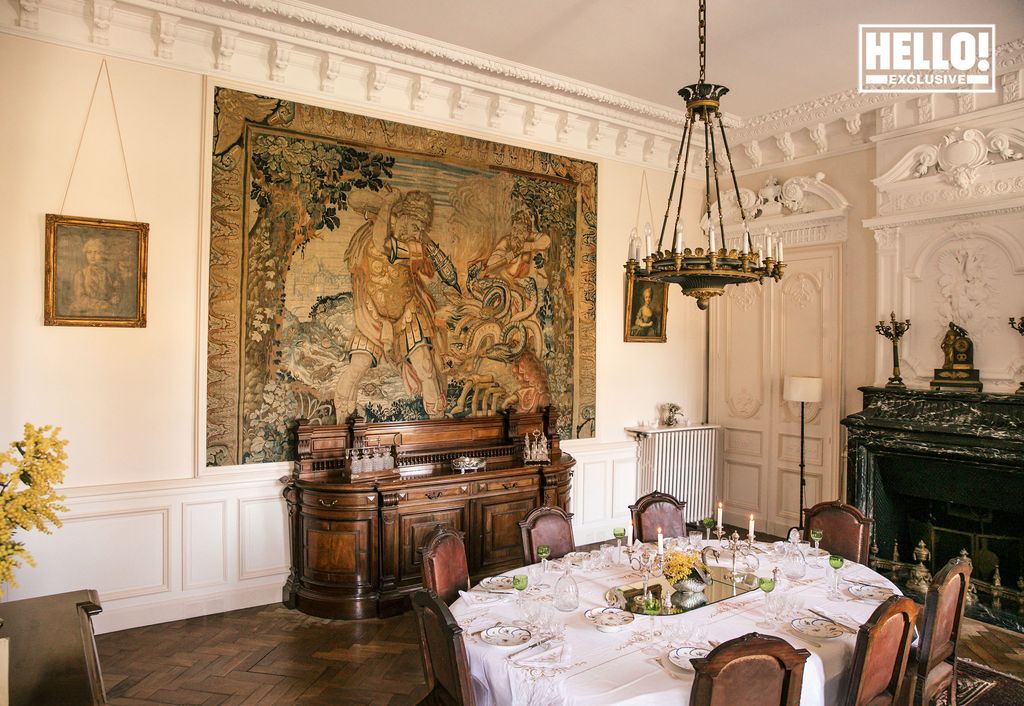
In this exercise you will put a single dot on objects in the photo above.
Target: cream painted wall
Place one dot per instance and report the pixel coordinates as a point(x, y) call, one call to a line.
point(851, 174)
point(126, 399)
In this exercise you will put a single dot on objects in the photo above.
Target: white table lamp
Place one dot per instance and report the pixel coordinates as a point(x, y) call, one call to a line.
point(802, 390)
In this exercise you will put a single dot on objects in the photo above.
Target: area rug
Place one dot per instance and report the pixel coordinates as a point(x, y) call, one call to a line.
point(980, 686)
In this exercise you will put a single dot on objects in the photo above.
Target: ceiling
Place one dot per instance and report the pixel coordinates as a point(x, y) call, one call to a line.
point(771, 53)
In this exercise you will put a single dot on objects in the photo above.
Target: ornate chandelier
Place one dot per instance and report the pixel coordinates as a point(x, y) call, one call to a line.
point(703, 273)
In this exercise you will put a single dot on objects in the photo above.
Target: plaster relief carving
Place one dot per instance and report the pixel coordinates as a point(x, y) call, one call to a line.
point(965, 285)
point(958, 157)
point(802, 289)
point(753, 151)
point(743, 404)
point(797, 195)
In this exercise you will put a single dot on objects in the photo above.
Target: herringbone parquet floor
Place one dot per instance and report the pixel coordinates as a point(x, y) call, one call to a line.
point(268, 655)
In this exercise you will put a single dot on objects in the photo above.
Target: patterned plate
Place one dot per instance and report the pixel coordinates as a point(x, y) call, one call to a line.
point(497, 583)
point(505, 636)
point(681, 656)
point(612, 619)
point(576, 557)
point(871, 593)
point(817, 627)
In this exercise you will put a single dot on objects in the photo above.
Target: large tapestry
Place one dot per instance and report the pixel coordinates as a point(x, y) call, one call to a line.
point(361, 265)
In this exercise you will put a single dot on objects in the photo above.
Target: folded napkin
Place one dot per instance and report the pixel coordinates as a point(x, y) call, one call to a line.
point(477, 598)
point(551, 655)
point(841, 619)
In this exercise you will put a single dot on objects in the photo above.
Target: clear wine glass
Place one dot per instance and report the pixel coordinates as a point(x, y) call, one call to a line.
point(835, 570)
point(652, 607)
point(767, 585)
point(544, 551)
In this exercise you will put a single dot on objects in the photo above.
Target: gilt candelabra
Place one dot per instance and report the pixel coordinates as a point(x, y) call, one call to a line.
point(894, 331)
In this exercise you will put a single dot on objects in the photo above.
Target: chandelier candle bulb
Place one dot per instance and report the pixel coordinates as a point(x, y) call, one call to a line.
point(634, 245)
point(677, 239)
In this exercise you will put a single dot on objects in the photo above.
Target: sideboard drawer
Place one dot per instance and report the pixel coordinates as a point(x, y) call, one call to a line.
point(339, 501)
point(504, 485)
point(437, 492)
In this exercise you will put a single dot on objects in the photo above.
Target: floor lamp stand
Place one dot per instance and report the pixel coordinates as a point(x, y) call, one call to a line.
point(803, 481)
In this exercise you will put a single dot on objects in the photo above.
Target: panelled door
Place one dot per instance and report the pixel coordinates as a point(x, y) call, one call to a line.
point(761, 334)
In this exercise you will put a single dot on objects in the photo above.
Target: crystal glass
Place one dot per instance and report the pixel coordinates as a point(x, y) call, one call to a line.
point(652, 607)
point(767, 585)
point(567, 593)
point(694, 539)
point(794, 563)
point(794, 535)
point(608, 553)
point(816, 535)
point(835, 570)
point(708, 523)
point(544, 551)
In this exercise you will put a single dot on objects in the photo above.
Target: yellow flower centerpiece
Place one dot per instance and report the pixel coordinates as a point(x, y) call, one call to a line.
point(29, 471)
point(685, 571)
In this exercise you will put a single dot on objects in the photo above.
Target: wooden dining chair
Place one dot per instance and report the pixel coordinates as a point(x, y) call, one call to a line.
point(445, 663)
point(753, 670)
point(846, 530)
point(547, 525)
point(934, 668)
point(445, 567)
point(881, 654)
point(656, 510)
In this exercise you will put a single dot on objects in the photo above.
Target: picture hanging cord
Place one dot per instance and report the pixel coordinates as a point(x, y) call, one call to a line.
point(639, 200)
point(117, 124)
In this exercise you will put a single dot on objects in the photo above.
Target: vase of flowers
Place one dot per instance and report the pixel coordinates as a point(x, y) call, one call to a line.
point(30, 470)
point(685, 571)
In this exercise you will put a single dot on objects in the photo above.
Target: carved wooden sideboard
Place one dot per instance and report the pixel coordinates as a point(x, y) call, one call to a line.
point(356, 535)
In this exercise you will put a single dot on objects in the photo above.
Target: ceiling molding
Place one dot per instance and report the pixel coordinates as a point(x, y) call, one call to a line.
point(356, 65)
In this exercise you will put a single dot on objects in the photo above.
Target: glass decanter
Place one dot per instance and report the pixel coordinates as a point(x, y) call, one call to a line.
point(567, 593)
point(794, 563)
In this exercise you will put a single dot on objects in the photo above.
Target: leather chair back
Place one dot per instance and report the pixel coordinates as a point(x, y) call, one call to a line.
point(445, 663)
point(940, 629)
point(753, 670)
point(846, 530)
point(656, 510)
point(881, 653)
point(445, 567)
point(547, 525)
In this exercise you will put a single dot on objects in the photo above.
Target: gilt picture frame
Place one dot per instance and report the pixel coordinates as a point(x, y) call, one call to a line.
point(646, 311)
point(95, 272)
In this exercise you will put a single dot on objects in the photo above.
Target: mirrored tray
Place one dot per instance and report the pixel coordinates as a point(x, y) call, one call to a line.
point(719, 588)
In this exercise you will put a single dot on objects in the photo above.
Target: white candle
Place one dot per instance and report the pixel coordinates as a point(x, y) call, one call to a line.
point(745, 248)
point(647, 235)
point(661, 542)
point(634, 245)
point(629, 537)
point(677, 240)
point(767, 246)
point(751, 528)
point(780, 249)
point(719, 515)
point(711, 238)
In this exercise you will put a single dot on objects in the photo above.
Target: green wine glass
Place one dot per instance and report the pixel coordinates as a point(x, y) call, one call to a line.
point(766, 584)
point(520, 582)
point(544, 551)
point(652, 607)
point(708, 523)
point(835, 563)
point(771, 618)
point(619, 533)
point(816, 535)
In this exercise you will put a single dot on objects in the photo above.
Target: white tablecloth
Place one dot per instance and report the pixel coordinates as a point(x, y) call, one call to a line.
point(611, 668)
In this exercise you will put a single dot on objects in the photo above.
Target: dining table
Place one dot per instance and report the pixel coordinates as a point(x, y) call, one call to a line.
point(567, 660)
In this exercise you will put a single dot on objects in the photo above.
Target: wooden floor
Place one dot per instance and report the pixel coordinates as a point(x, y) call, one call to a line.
point(272, 655)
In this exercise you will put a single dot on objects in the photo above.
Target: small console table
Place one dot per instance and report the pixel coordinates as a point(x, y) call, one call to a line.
point(356, 534)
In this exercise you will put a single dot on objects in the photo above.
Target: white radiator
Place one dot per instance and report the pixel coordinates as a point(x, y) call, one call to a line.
point(680, 461)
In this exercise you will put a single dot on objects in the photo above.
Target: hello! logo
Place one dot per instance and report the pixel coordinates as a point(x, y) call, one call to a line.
point(927, 58)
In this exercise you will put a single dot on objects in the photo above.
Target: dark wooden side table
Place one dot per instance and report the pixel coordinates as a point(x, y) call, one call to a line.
point(53, 656)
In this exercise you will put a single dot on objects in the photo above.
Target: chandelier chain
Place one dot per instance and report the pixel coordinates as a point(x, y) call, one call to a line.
point(701, 38)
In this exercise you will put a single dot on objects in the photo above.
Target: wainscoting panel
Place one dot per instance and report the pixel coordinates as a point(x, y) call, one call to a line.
point(603, 487)
point(263, 537)
point(204, 544)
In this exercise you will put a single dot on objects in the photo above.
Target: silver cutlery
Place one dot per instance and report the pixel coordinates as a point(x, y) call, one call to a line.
point(529, 647)
point(841, 626)
point(798, 636)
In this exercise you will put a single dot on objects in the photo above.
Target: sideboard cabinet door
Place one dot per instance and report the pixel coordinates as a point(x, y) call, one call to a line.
point(340, 552)
point(498, 543)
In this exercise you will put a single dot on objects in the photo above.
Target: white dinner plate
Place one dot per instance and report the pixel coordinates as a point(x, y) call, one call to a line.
point(817, 627)
point(681, 656)
point(609, 619)
point(576, 557)
point(871, 593)
point(497, 583)
point(505, 636)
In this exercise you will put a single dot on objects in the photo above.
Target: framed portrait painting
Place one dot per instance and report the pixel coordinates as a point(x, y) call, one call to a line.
point(646, 311)
point(95, 272)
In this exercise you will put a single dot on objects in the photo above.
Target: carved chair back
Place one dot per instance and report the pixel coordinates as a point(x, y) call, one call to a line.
point(445, 663)
point(547, 525)
point(753, 670)
point(656, 510)
point(881, 654)
point(940, 630)
point(846, 530)
point(445, 567)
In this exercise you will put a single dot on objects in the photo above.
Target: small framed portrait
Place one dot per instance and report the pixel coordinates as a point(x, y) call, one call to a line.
point(646, 311)
point(95, 272)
